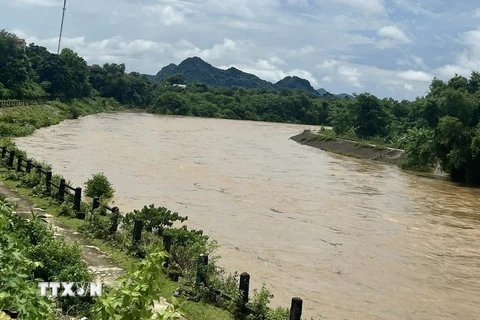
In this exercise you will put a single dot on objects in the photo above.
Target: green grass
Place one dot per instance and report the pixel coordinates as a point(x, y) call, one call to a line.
point(20, 121)
point(191, 310)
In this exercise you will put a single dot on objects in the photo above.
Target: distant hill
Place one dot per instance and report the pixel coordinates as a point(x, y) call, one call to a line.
point(194, 69)
point(325, 93)
point(295, 83)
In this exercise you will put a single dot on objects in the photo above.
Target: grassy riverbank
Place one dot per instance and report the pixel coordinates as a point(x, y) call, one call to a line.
point(357, 149)
point(20, 121)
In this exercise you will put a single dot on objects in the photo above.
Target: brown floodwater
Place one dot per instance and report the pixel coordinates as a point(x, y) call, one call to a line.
point(354, 239)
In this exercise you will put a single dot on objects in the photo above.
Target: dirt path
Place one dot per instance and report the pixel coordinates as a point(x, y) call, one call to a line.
point(103, 268)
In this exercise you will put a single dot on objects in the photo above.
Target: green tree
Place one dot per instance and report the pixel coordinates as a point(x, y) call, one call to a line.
point(371, 116)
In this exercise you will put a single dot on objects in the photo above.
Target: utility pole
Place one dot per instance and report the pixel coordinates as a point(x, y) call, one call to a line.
point(61, 26)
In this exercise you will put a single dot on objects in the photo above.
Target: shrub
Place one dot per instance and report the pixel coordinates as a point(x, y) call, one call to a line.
point(55, 255)
point(187, 245)
point(99, 186)
point(66, 209)
point(259, 303)
point(138, 291)
point(97, 226)
point(154, 219)
point(18, 293)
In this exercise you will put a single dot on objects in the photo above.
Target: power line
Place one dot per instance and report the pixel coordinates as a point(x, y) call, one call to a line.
point(61, 26)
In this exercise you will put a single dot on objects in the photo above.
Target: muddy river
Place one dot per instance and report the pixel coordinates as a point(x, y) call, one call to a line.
point(354, 239)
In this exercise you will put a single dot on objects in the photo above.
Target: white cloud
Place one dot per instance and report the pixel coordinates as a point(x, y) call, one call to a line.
point(476, 13)
point(327, 79)
point(303, 51)
point(40, 3)
point(328, 64)
point(415, 6)
point(394, 33)
point(350, 75)
point(466, 61)
point(274, 59)
point(402, 82)
point(392, 36)
point(303, 3)
point(365, 6)
point(218, 51)
point(167, 15)
point(412, 61)
point(413, 75)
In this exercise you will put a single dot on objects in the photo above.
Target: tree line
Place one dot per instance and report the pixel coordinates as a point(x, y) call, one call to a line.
point(441, 127)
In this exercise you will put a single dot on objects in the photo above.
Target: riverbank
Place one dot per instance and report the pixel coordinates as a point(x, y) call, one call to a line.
point(351, 148)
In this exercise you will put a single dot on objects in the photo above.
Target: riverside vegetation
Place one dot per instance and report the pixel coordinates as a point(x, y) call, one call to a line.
point(441, 127)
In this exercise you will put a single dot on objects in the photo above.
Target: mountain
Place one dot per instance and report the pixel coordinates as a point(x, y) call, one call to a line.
point(295, 83)
point(194, 69)
point(322, 91)
point(325, 93)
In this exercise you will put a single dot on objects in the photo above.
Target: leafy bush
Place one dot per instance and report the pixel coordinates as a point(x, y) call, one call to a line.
point(99, 186)
point(55, 255)
point(16, 267)
point(139, 288)
point(66, 209)
point(187, 245)
point(154, 219)
point(97, 225)
point(259, 303)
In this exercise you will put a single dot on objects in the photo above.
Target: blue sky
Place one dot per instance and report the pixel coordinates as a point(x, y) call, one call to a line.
point(389, 48)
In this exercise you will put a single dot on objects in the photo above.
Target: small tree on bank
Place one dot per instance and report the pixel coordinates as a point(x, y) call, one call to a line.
point(99, 186)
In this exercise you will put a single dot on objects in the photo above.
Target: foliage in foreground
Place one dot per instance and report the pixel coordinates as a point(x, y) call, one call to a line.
point(139, 288)
point(29, 252)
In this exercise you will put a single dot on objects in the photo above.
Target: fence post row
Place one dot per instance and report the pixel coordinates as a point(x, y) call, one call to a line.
point(29, 166)
point(202, 262)
point(167, 246)
point(11, 158)
point(137, 230)
point(77, 200)
point(19, 163)
point(115, 216)
point(95, 203)
point(296, 309)
point(61, 190)
point(48, 180)
point(244, 287)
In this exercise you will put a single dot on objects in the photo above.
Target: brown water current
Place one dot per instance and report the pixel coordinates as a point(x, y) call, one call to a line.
point(355, 239)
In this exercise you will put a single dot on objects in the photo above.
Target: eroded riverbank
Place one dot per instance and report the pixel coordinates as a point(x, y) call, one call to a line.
point(351, 148)
point(355, 239)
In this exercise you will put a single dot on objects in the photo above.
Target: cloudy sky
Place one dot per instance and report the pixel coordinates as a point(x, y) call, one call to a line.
point(385, 47)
